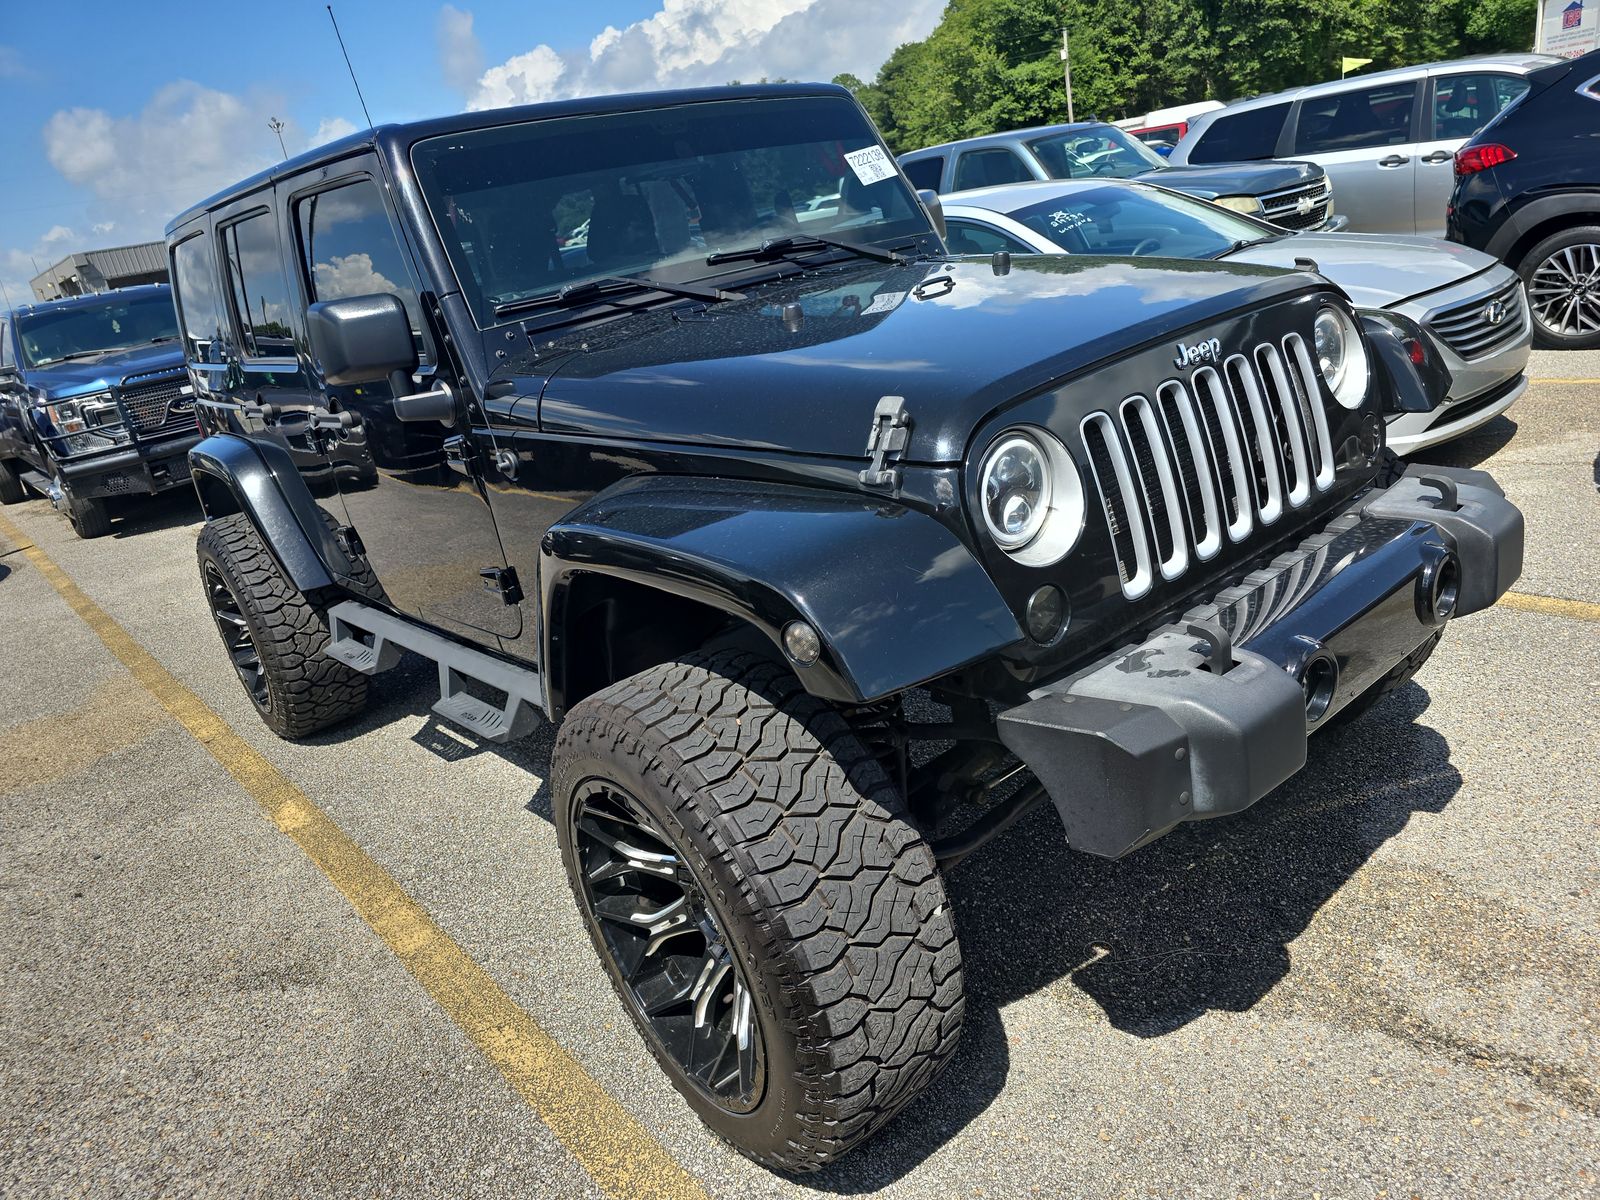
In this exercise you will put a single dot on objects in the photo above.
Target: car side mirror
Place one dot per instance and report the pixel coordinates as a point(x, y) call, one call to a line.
point(362, 339)
point(931, 202)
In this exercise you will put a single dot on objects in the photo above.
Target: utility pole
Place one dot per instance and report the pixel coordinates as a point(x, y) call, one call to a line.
point(1066, 64)
point(277, 127)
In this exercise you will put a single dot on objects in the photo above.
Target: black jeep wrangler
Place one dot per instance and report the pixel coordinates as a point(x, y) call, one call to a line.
point(810, 536)
point(94, 402)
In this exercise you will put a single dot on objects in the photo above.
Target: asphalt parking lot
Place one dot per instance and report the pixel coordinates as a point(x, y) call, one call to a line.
point(235, 966)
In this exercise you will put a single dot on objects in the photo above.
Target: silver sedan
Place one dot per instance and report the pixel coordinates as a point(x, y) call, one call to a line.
point(1469, 306)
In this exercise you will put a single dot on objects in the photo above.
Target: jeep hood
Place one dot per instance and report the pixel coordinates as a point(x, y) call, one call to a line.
point(1375, 271)
point(1233, 179)
point(63, 380)
point(800, 364)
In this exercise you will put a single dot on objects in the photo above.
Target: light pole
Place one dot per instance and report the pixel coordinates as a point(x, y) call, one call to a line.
point(1066, 65)
point(277, 127)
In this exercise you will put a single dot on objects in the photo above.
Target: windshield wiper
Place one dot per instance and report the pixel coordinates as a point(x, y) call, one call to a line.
point(165, 337)
point(780, 247)
point(608, 286)
point(74, 356)
point(1246, 243)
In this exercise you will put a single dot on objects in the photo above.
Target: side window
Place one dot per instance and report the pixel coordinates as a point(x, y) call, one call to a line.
point(199, 306)
point(969, 237)
point(1464, 104)
point(5, 344)
point(1242, 136)
point(1356, 120)
point(984, 168)
point(260, 292)
point(925, 172)
point(348, 248)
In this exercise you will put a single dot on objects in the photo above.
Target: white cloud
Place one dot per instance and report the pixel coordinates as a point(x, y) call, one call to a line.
point(460, 56)
point(330, 129)
point(691, 43)
point(351, 275)
point(102, 228)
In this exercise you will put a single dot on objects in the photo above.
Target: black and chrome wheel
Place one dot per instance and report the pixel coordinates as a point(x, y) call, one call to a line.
point(1562, 278)
point(776, 928)
point(667, 945)
point(235, 631)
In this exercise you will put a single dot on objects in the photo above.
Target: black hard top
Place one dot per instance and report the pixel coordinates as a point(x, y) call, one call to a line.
point(399, 137)
point(92, 299)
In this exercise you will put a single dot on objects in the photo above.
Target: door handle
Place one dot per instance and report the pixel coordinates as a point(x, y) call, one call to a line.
point(1438, 156)
point(1394, 160)
point(455, 455)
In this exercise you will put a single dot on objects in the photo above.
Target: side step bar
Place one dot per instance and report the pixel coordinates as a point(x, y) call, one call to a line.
point(370, 640)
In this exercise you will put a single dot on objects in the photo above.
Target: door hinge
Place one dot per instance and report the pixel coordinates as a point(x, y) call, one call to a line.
point(350, 541)
point(503, 580)
point(891, 430)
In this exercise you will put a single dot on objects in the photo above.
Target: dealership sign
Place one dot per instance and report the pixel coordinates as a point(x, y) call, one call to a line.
point(1568, 27)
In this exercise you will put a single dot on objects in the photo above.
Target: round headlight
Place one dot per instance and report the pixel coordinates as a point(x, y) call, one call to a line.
point(1341, 356)
point(1248, 205)
point(1032, 497)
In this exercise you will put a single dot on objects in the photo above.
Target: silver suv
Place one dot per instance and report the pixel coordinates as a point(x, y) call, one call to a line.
point(1386, 140)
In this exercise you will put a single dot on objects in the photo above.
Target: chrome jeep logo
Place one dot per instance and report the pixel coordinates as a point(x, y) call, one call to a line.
point(1495, 312)
point(1208, 351)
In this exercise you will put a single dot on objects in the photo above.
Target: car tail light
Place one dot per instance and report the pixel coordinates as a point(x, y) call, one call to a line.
point(1472, 159)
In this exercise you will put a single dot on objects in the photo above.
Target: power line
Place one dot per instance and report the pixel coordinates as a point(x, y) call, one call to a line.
point(350, 68)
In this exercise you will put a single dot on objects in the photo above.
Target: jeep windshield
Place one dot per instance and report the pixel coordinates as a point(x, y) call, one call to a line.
point(84, 331)
point(528, 210)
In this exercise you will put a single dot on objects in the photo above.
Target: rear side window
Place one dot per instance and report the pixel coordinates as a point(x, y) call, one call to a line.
point(1240, 137)
point(1356, 120)
point(1464, 104)
point(969, 237)
point(194, 282)
point(348, 248)
point(260, 292)
point(985, 168)
point(925, 172)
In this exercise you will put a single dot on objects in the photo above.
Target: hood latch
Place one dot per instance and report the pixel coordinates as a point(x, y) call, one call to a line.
point(891, 430)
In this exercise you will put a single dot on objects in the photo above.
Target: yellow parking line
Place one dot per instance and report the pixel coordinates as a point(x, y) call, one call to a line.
point(1555, 606)
point(619, 1154)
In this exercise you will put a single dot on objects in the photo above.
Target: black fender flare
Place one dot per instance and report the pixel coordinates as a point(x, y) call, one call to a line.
point(1532, 215)
point(1411, 387)
point(896, 597)
point(259, 479)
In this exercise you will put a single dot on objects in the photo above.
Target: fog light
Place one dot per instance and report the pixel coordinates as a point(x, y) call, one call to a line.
point(802, 643)
point(1046, 614)
point(1371, 438)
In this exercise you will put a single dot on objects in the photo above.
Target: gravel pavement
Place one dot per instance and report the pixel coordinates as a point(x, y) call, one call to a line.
point(1382, 980)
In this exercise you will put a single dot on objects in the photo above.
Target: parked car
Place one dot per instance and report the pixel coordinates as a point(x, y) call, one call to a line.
point(1466, 310)
point(1292, 195)
point(1527, 190)
point(1386, 140)
point(94, 402)
point(1162, 129)
point(721, 506)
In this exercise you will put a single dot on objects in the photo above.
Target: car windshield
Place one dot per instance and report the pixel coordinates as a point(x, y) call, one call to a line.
point(1124, 218)
point(1102, 150)
point(54, 335)
point(526, 210)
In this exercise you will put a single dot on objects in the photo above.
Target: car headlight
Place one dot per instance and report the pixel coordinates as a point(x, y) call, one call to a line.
point(1032, 497)
point(1341, 355)
point(88, 423)
point(1248, 205)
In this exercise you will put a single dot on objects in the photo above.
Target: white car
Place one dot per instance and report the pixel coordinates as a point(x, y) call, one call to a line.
point(1469, 306)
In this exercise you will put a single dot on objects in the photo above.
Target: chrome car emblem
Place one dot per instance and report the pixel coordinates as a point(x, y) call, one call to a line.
point(1304, 205)
point(1208, 351)
point(1494, 312)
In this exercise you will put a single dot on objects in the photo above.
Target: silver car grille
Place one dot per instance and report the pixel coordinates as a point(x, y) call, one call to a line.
point(1208, 461)
point(1301, 207)
point(1485, 324)
point(156, 403)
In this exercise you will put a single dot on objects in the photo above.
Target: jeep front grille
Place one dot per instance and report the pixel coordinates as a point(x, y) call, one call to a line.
point(1301, 207)
point(1209, 459)
point(1469, 330)
point(158, 403)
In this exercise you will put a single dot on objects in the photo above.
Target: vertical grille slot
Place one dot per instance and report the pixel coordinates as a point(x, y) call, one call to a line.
point(1266, 476)
point(1284, 411)
point(1119, 496)
point(1227, 450)
point(1159, 483)
point(1304, 374)
point(1187, 437)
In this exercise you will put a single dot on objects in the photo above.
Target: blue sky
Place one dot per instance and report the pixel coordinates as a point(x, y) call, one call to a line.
point(119, 115)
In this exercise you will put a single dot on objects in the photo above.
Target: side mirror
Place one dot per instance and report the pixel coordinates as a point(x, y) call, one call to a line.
point(361, 339)
point(9, 376)
point(930, 201)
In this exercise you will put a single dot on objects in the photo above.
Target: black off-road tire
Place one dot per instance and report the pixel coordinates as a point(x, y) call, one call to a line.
point(306, 691)
point(1391, 467)
point(1399, 675)
point(89, 517)
point(830, 898)
point(11, 489)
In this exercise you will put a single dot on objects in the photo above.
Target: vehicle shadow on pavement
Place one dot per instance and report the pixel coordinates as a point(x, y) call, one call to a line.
point(1472, 448)
point(147, 514)
point(1200, 920)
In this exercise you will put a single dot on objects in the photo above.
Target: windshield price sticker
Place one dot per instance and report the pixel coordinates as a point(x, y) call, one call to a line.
point(870, 164)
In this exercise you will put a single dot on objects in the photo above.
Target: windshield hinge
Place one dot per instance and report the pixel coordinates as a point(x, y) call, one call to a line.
point(502, 580)
point(891, 430)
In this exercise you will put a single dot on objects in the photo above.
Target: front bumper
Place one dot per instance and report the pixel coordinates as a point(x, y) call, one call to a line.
point(140, 469)
point(1336, 223)
point(1208, 715)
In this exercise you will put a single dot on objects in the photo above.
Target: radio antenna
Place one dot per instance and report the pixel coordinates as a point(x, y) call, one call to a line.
point(350, 68)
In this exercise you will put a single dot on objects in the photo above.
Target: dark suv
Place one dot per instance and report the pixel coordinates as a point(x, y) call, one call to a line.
point(1528, 191)
point(809, 535)
point(94, 402)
